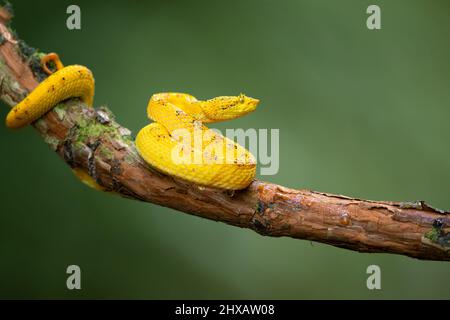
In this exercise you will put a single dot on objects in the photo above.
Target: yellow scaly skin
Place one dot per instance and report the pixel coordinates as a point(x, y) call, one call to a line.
point(156, 142)
point(174, 111)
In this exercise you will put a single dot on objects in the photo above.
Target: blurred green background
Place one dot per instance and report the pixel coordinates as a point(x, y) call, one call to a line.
point(361, 113)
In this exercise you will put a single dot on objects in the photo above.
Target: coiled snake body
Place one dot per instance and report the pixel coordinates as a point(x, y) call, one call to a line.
point(210, 159)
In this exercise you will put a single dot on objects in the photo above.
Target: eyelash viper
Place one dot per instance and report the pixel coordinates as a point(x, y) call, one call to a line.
point(155, 142)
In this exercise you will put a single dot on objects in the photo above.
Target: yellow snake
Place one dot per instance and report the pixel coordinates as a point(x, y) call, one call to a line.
point(202, 156)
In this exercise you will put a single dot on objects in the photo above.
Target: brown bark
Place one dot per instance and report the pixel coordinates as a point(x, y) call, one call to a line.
point(90, 140)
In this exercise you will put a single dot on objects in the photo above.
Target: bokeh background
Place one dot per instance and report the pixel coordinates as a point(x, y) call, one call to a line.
point(361, 113)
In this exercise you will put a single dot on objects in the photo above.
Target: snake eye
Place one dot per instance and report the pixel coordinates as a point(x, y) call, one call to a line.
point(241, 98)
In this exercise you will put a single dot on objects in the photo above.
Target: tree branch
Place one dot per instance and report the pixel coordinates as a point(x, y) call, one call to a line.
point(91, 141)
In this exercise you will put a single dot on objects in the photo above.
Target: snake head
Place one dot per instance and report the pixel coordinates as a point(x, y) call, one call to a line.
point(229, 107)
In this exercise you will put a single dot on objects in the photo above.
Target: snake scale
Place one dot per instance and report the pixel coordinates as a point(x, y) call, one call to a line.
point(221, 162)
